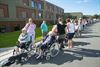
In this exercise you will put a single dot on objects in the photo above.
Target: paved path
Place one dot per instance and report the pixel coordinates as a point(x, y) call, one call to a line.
point(86, 52)
point(4, 49)
point(5, 52)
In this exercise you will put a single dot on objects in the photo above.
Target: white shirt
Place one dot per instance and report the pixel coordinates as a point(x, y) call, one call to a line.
point(80, 26)
point(76, 27)
point(70, 27)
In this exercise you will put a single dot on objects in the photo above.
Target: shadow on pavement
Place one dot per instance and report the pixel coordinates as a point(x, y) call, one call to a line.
point(87, 32)
point(81, 43)
point(60, 59)
point(88, 36)
point(86, 52)
point(68, 55)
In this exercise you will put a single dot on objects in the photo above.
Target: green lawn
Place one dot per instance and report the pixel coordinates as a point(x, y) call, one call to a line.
point(9, 39)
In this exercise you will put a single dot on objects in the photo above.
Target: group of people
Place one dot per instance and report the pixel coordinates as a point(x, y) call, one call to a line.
point(66, 29)
point(63, 29)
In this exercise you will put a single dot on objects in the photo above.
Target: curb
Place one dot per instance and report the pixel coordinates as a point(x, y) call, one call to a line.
point(5, 55)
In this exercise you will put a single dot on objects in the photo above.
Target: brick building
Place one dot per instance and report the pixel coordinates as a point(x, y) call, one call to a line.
point(14, 13)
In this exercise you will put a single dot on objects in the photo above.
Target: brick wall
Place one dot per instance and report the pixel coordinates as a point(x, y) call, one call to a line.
point(10, 26)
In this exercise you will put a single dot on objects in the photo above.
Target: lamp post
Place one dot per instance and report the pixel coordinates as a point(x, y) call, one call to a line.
point(39, 15)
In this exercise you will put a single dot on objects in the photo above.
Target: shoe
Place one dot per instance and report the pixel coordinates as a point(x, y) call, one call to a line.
point(68, 47)
point(60, 48)
point(63, 47)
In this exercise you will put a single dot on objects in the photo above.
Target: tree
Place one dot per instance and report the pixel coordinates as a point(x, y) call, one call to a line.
point(67, 15)
point(74, 17)
point(99, 16)
point(84, 17)
point(96, 16)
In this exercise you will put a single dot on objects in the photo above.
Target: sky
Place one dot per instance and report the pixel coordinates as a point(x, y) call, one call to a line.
point(87, 7)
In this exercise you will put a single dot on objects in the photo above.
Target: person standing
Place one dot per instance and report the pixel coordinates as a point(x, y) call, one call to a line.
point(70, 32)
point(76, 28)
point(60, 29)
point(44, 29)
point(30, 28)
point(80, 26)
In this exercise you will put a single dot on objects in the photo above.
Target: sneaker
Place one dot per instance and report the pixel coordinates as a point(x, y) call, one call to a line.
point(63, 46)
point(67, 47)
point(60, 48)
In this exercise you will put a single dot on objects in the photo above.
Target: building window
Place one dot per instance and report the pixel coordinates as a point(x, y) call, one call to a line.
point(23, 14)
point(1, 13)
point(36, 5)
point(33, 3)
point(4, 11)
point(39, 6)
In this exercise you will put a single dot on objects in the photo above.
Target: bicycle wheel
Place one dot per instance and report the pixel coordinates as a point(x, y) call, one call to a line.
point(48, 57)
point(54, 49)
